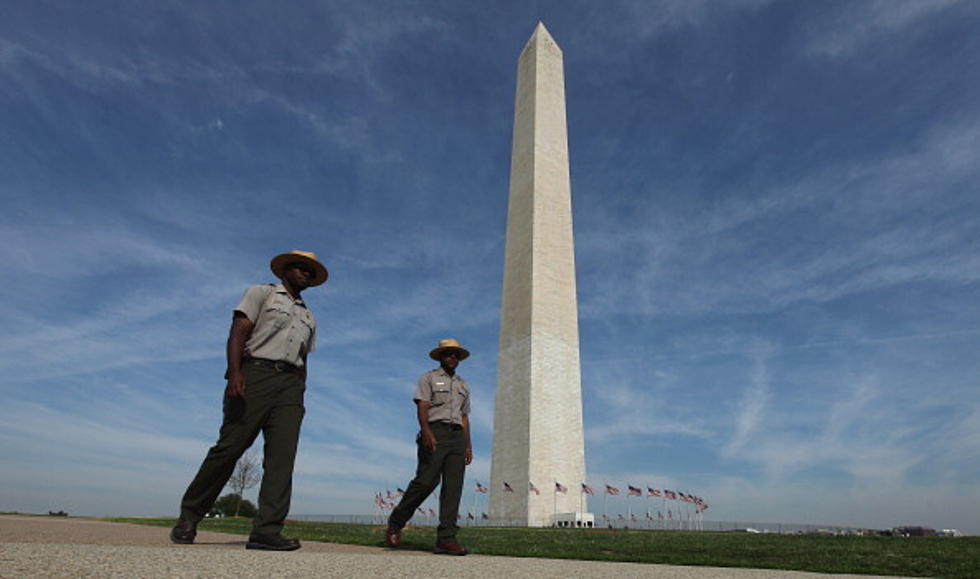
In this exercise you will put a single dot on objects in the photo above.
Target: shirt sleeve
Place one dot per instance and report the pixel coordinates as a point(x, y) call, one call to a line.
point(251, 304)
point(312, 341)
point(466, 403)
point(423, 389)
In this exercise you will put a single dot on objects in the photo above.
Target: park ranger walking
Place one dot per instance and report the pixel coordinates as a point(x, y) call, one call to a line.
point(272, 332)
point(442, 402)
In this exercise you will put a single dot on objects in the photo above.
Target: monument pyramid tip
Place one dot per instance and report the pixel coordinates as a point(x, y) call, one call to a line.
point(540, 32)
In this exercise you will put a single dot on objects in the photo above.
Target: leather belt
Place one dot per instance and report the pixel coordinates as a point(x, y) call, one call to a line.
point(276, 365)
point(449, 425)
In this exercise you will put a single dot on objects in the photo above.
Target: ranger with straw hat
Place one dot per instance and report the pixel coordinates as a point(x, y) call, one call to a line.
point(442, 402)
point(272, 332)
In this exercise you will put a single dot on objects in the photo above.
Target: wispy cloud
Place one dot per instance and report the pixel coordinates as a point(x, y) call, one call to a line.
point(825, 251)
point(852, 27)
point(750, 413)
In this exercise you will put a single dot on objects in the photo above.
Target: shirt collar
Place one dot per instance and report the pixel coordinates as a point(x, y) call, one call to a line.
point(439, 370)
point(280, 288)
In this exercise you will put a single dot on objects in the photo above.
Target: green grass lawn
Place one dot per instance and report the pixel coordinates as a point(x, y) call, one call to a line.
point(927, 557)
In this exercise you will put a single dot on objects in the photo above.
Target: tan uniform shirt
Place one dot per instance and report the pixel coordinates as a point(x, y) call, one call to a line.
point(284, 329)
point(449, 396)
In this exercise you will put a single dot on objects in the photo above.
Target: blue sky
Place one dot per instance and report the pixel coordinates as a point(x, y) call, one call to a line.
point(777, 228)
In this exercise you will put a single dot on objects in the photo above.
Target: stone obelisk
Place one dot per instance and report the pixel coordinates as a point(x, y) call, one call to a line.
point(537, 431)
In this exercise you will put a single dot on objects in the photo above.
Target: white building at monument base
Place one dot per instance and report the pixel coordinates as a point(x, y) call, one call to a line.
point(574, 521)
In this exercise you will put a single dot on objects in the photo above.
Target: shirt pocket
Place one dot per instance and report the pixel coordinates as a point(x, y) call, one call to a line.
point(440, 395)
point(278, 315)
point(308, 326)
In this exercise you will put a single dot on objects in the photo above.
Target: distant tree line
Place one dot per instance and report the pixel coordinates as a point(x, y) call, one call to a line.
point(233, 505)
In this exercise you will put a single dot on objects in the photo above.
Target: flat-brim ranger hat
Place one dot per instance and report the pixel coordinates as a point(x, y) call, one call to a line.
point(449, 344)
point(279, 263)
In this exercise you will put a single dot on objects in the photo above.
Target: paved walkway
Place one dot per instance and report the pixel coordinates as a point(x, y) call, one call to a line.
point(65, 547)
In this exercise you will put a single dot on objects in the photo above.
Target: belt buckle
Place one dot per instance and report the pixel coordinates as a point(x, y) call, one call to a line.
point(278, 368)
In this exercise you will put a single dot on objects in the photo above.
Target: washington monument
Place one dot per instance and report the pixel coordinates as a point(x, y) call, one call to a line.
point(537, 431)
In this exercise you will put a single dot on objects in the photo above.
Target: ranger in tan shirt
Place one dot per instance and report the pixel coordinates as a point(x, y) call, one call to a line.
point(442, 402)
point(272, 332)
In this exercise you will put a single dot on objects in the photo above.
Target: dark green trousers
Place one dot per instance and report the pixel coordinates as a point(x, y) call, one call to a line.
point(448, 464)
point(273, 405)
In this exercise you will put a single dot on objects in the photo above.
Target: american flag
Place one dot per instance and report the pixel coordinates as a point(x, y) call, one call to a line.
point(400, 492)
point(621, 517)
point(611, 490)
point(388, 496)
point(480, 488)
point(507, 487)
point(533, 489)
point(431, 512)
point(635, 492)
point(670, 494)
point(587, 489)
point(379, 500)
point(652, 492)
point(422, 511)
point(560, 488)
point(470, 516)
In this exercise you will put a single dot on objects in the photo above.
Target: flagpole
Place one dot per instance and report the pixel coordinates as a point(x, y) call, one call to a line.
point(687, 511)
point(554, 513)
point(687, 516)
point(649, 520)
point(605, 495)
point(647, 504)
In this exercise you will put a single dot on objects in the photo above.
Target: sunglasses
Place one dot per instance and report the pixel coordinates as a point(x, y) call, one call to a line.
point(303, 268)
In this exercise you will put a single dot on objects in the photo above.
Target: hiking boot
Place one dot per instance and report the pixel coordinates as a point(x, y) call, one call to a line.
point(272, 542)
point(183, 532)
point(393, 536)
point(450, 548)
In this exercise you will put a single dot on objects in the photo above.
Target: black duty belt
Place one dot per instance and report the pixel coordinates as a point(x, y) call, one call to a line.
point(277, 365)
point(449, 425)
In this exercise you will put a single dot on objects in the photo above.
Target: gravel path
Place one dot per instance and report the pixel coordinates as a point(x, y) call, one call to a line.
point(64, 547)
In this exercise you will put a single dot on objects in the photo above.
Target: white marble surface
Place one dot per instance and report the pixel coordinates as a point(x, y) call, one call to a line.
point(538, 433)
